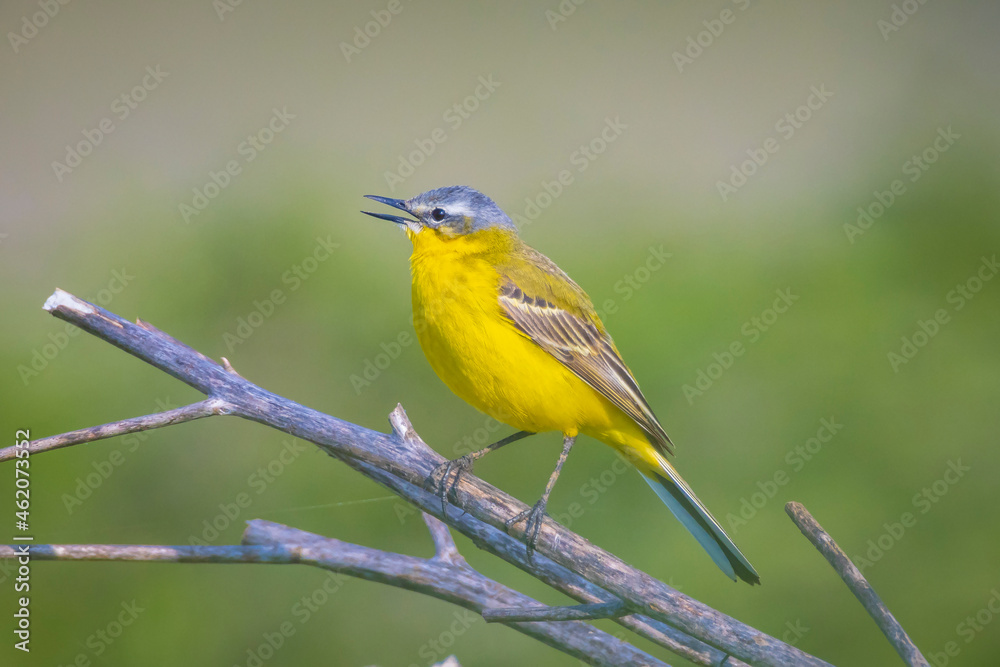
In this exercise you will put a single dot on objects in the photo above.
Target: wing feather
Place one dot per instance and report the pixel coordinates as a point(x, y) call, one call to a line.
point(584, 348)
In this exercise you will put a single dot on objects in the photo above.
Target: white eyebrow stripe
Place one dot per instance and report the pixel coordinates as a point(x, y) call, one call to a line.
point(457, 208)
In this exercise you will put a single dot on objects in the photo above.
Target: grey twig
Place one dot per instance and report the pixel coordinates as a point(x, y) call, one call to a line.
point(205, 408)
point(859, 586)
point(445, 548)
point(578, 612)
point(403, 463)
point(563, 579)
point(443, 579)
point(151, 553)
point(456, 582)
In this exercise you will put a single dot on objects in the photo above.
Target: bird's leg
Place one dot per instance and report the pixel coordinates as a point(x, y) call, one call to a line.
point(537, 512)
point(464, 464)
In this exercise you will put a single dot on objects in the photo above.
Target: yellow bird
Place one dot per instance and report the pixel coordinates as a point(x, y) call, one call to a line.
point(515, 337)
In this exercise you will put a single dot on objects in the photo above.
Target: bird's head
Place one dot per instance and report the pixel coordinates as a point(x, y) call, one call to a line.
point(447, 212)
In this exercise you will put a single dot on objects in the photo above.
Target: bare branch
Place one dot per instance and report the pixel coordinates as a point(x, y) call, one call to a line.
point(545, 569)
point(205, 408)
point(276, 544)
point(404, 463)
point(577, 612)
point(152, 553)
point(442, 579)
point(856, 581)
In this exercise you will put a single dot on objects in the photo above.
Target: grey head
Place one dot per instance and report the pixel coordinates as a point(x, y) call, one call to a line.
point(454, 211)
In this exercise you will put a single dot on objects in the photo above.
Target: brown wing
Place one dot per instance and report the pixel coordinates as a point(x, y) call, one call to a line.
point(584, 349)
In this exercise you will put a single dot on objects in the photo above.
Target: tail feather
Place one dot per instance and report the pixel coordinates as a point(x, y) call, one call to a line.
point(680, 499)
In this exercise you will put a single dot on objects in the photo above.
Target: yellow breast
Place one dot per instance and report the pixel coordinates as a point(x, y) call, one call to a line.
point(477, 351)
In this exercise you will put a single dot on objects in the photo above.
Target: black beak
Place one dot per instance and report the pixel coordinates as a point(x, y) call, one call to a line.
point(395, 203)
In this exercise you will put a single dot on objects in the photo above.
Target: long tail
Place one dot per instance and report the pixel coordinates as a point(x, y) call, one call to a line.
point(678, 496)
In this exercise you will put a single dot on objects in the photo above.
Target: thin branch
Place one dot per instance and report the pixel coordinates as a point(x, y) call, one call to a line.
point(498, 542)
point(151, 553)
point(486, 536)
point(271, 543)
point(444, 545)
point(205, 408)
point(859, 586)
point(459, 584)
point(403, 466)
point(579, 612)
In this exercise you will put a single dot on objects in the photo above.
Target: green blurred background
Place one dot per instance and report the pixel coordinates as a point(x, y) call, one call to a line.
point(112, 228)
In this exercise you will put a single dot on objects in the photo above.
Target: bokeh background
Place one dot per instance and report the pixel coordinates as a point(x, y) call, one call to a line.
point(877, 92)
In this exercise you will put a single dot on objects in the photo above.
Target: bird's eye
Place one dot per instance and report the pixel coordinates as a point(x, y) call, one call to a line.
point(438, 214)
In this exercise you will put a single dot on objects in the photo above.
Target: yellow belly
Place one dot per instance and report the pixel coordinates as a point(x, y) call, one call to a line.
point(479, 354)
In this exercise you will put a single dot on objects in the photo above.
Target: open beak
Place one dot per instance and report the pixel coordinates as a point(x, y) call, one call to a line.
point(395, 203)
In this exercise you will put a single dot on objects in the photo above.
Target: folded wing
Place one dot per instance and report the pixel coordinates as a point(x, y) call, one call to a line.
point(576, 339)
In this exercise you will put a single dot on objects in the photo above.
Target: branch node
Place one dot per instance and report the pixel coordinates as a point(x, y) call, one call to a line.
point(445, 549)
point(229, 367)
point(401, 425)
point(219, 406)
point(403, 429)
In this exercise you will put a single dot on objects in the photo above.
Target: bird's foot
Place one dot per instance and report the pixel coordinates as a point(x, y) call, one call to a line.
point(438, 482)
point(532, 518)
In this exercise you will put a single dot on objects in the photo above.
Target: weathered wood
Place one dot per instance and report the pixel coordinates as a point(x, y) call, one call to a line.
point(445, 576)
point(448, 580)
point(574, 612)
point(152, 553)
point(501, 544)
point(409, 460)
